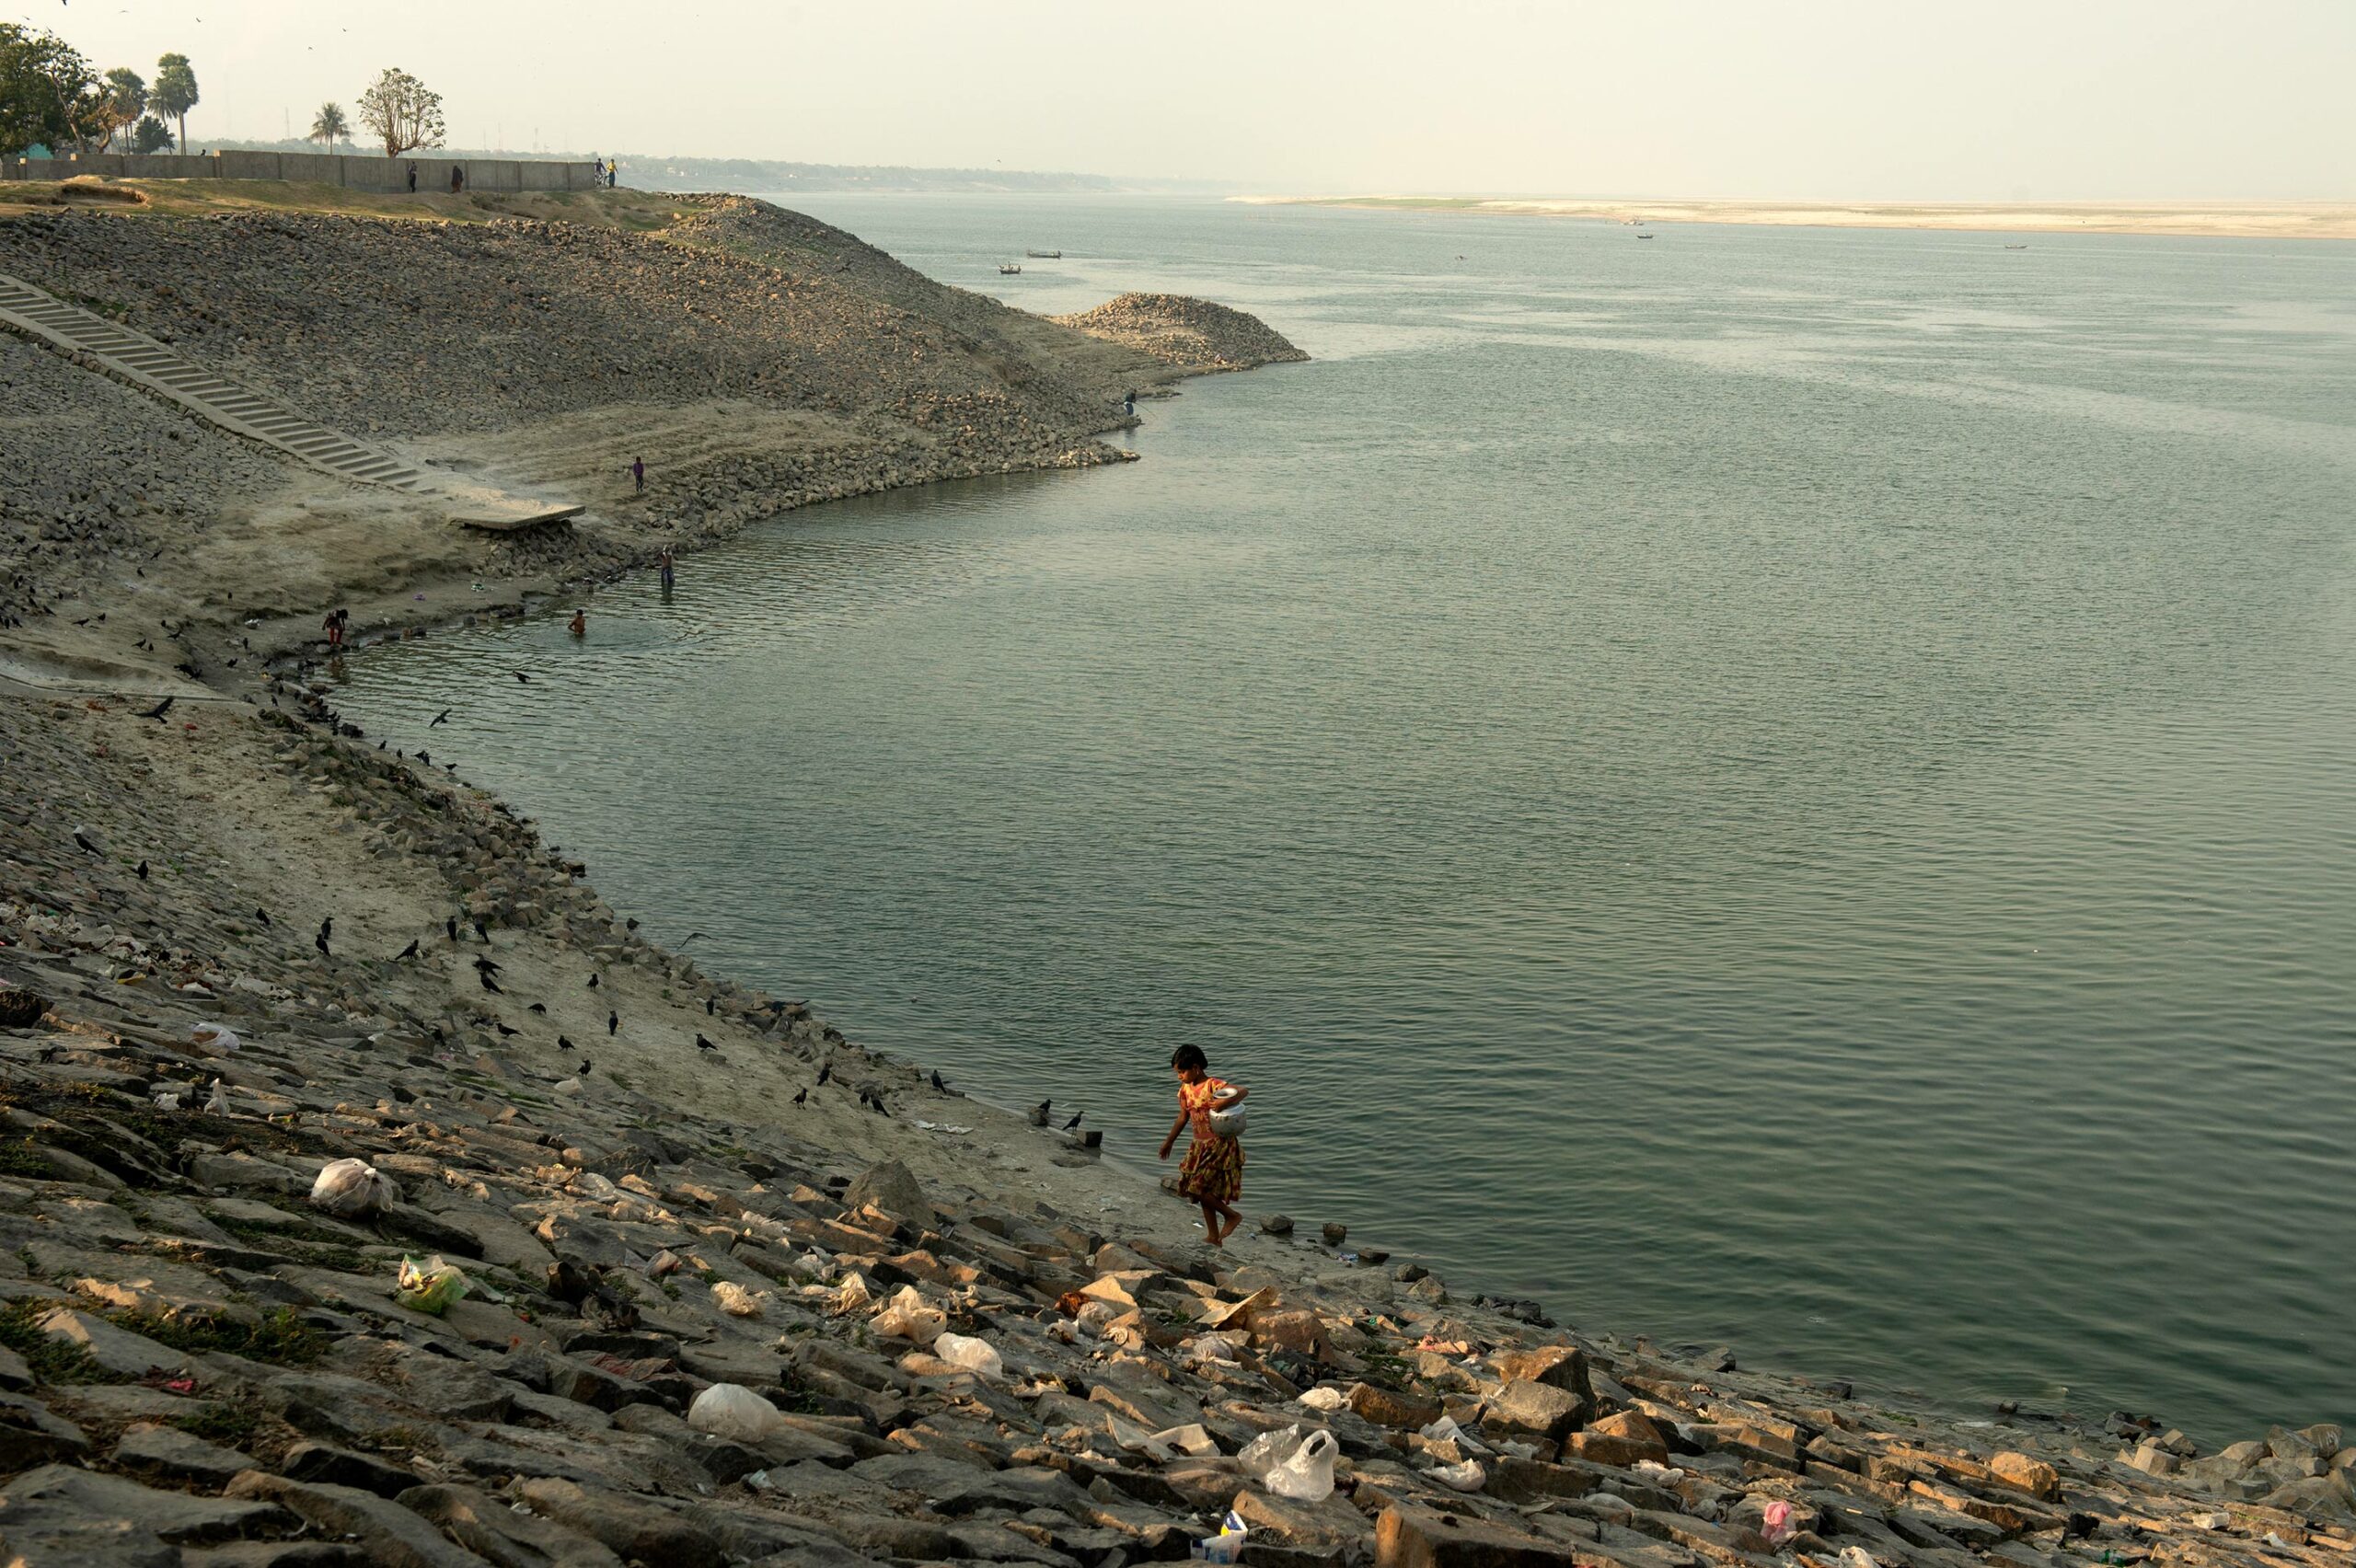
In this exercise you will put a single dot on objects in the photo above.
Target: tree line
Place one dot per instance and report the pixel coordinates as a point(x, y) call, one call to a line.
point(51, 96)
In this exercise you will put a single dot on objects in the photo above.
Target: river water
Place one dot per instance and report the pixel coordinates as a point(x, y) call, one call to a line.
point(1783, 788)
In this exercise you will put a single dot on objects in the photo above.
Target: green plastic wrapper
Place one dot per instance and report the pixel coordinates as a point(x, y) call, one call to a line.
point(431, 1288)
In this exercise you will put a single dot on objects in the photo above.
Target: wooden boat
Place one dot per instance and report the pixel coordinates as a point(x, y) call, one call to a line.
point(1008, 268)
point(1045, 255)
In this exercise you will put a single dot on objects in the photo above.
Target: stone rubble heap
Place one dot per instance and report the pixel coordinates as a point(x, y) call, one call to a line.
point(1196, 335)
point(687, 1339)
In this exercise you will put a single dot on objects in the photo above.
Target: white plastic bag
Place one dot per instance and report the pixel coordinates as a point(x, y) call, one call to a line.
point(1857, 1557)
point(1445, 1430)
point(1467, 1476)
point(214, 1039)
point(1325, 1399)
point(737, 1301)
point(907, 1317)
point(350, 1188)
point(1268, 1449)
point(734, 1411)
point(217, 1102)
point(1308, 1475)
point(973, 1355)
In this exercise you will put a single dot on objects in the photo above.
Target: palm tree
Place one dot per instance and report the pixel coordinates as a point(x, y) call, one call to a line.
point(329, 125)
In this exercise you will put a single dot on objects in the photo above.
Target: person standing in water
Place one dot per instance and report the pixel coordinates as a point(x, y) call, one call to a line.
point(1212, 1172)
point(579, 625)
point(663, 561)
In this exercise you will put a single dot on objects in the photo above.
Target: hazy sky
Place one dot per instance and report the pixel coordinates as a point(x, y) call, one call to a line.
point(1887, 99)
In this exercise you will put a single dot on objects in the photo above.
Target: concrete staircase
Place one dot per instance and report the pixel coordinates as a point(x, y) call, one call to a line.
point(142, 361)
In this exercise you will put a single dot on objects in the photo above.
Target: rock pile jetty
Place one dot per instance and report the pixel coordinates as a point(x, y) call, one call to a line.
point(1196, 335)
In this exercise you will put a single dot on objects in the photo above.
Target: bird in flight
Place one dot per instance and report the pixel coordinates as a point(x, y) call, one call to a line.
point(441, 718)
point(156, 712)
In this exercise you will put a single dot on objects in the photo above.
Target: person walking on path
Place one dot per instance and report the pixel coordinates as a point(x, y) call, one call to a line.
point(1212, 1172)
point(412, 177)
point(663, 561)
point(638, 472)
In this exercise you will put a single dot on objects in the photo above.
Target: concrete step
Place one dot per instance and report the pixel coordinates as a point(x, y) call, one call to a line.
point(141, 360)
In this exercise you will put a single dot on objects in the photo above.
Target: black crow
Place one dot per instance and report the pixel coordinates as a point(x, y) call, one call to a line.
point(489, 985)
point(451, 926)
point(711, 1004)
point(593, 982)
point(486, 965)
point(801, 1098)
point(320, 942)
point(140, 870)
point(936, 1083)
point(81, 836)
point(613, 1022)
point(539, 1007)
point(441, 718)
point(411, 950)
point(1075, 1120)
point(503, 1028)
point(825, 1072)
point(522, 679)
point(156, 712)
point(562, 1044)
point(703, 1045)
point(483, 931)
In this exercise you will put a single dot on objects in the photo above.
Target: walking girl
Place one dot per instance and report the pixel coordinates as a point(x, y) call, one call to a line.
point(1212, 1172)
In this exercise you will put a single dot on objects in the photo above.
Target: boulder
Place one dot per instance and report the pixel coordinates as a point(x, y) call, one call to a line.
point(1540, 1410)
point(633, 1526)
point(341, 1467)
point(1407, 1536)
point(392, 1535)
point(2033, 1476)
point(501, 1534)
point(169, 1453)
point(119, 1351)
point(893, 1188)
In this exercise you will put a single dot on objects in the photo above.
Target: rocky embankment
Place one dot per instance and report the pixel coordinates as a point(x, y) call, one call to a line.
point(1193, 335)
point(757, 360)
point(936, 1335)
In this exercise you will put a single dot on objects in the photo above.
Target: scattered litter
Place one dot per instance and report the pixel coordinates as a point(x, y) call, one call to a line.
point(214, 1039)
point(350, 1188)
point(1775, 1523)
point(1225, 1547)
point(217, 1102)
point(1325, 1399)
point(431, 1288)
point(975, 1356)
point(943, 1127)
point(734, 1411)
point(1307, 1475)
point(1467, 1476)
point(1445, 1430)
point(907, 1317)
point(737, 1301)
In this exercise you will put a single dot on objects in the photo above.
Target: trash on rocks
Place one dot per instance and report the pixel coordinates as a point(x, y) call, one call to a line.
point(1445, 1430)
point(217, 1102)
point(214, 1039)
point(348, 1188)
point(851, 1296)
point(734, 1411)
point(1775, 1522)
point(907, 1317)
point(1225, 1547)
point(973, 1355)
point(166, 1099)
point(1209, 1347)
point(1325, 1398)
point(431, 1288)
point(737, 1301)
point(1464, 1476)
point(1307, 1475)
point(1857, 1557)
point(1268, 1449)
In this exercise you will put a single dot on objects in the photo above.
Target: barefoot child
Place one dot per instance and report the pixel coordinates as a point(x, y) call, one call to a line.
point(1212, 1172)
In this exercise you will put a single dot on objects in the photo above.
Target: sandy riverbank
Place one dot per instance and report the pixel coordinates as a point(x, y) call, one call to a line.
point(638, 1163)
point(2237, 220)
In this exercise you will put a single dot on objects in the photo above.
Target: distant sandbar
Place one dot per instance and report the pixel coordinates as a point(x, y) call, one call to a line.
point(2241, 220)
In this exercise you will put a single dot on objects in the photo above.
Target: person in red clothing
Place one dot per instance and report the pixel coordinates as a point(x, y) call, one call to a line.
point(1212, 1172)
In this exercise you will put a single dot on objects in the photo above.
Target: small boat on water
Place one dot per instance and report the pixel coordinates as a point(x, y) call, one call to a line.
point(1008, 268)
point(1644, 237)
point(2016, 248)
point(1045, 255)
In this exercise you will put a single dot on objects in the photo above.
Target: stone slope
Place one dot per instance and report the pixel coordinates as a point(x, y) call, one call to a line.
point(198, 1366)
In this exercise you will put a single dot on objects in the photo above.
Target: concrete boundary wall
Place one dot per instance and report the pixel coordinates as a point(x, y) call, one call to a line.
point(352, 171)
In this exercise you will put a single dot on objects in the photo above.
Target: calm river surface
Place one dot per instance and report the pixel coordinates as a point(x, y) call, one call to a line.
point(1789, 788)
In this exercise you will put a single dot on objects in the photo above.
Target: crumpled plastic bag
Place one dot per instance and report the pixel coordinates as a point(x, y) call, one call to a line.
point(737, 1301)
point(1209, 1347)
point(350, 1188)
point(734, 1411)
point(1775, 1522)
point(908, 1315)
point(1269, 1448)
point(1445, 1430)
point(851, 1294)
point(1325, 1399)
point(1465, 1476)
point(431, 1288)
point(1307, 1475)
point(214, 1039)
point(975, 1356)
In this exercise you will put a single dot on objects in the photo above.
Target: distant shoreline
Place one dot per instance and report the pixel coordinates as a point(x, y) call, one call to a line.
point(2226, 220)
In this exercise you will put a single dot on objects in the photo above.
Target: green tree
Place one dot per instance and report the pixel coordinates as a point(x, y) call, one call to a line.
point(175, 92)
point(126, 101)
point(151, 135)
point(48, 92)
point(328, 126)
point(401, 112)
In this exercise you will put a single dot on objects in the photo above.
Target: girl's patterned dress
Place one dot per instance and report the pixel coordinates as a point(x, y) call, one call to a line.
point(1213, 1169)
